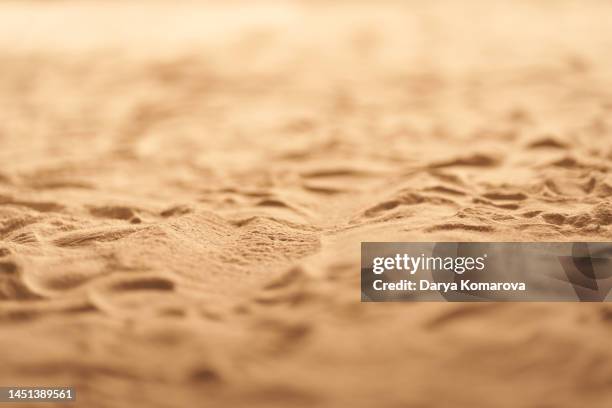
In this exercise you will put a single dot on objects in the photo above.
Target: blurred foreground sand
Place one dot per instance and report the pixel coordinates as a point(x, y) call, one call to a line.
point(184, 188)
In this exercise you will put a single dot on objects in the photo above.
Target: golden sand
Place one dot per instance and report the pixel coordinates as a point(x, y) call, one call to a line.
point(184, 188)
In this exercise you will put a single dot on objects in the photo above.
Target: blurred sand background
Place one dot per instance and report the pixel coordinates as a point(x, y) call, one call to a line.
point(184, 187)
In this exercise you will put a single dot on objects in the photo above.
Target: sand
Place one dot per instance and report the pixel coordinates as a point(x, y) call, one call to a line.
point(184, 188)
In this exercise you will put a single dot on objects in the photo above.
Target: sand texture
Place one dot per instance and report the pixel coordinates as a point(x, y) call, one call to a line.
point(184, 188)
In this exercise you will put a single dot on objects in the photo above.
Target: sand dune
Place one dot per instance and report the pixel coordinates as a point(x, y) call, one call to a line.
point(184, 188)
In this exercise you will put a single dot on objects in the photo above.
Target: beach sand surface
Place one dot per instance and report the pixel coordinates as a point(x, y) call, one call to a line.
point(184, 189)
